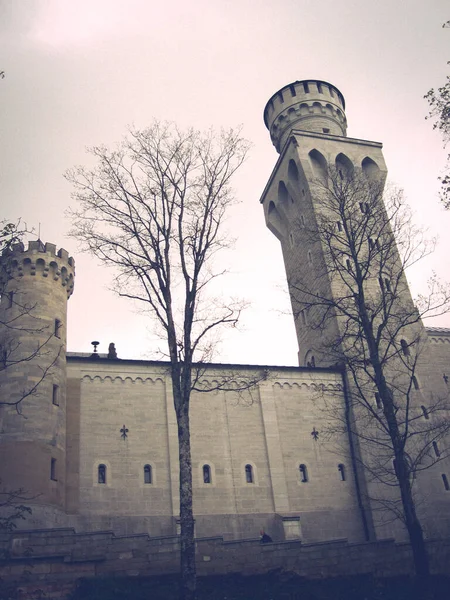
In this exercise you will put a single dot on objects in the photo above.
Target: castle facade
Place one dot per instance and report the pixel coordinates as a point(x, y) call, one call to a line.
point(94, 439)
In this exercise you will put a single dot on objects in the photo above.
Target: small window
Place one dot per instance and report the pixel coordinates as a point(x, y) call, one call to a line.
point(302, 220)
point(10, 299)
point(310, 257)
point(249, 473)
point(348, 264)
point(306, 87)
point(57, 328)
point(364, 208)
point(339, 226)
point(311, 363)
point(425, 412)
point(378, 400)
point(291, 239)
point(445, 482)
point(436, 449)
point(319, 88)
point(385, 284)
point(55, 395)
point(415, 382)
point(53, 469)
point(102, 473)
point(405, 347)
point(303, 192)
point(207, 474)
point(303, 473)
point(341, 469)
point(325, 130)
point(304, 316)
point(147, 474)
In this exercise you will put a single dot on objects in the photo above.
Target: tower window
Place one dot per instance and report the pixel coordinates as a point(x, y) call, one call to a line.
point(249, 473)
point(378, 400)
point(101, 473)
point(57, 328)
point(326, 130)
point(364, 208)
point(306, 87)
point(291, 239)
point(405, 347)
point(53, 469)
point(348, 264)
point(425, 412)
point(304, 317)
point(339, 226)
point(303, 473)
point(55, 395)
point(341, 469)
point(436, 449)
point(10, 299)
point(319, 88)
point(445, 482)
point(147, 474)
point(415, 382)
point(385, 284)
point(310, 257)
point(207, 474)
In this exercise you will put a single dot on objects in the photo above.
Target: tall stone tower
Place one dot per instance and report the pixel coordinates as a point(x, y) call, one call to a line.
point(36, 283)
point(308, 128)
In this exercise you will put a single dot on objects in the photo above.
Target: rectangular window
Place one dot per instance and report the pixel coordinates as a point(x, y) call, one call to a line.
point(55, 395)
point(445, 482)
point(53, 469)
point(10, 299)
point(57, 328)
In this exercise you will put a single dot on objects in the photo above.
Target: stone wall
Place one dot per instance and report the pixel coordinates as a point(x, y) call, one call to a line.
point(56, 559)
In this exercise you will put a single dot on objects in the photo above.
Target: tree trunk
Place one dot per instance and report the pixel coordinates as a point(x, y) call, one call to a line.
point(420, 556)
point(187, 543)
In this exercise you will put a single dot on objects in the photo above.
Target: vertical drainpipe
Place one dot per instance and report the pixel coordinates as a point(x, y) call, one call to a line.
point(351, 442)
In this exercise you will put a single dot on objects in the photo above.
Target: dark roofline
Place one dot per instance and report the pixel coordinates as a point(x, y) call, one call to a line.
point(73, 357)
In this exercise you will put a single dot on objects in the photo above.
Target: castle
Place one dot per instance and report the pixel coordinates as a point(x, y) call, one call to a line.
point(96, 448)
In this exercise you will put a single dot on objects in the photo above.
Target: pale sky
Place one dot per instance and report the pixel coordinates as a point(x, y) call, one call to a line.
point(78, 73)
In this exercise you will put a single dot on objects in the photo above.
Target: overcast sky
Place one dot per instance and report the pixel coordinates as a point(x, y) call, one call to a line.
point(79, 72)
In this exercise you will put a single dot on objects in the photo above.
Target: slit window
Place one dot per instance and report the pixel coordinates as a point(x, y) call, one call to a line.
point(53, 469)
point(445, 482)
point(55, 395)
point(10, 299)
point(348, 264)
point(378, 400)
point(405, 347)
point(341, 469)
point(57, 328)
point(206, 474)
point(425, 412)
point(436, 449)
point(415, 382)
point(147, 474)
point(306, 87)
point(339, 226)
point(319, 88)
point(101, 474)
point(310, 257)
point(303, 473)
point(249, 473)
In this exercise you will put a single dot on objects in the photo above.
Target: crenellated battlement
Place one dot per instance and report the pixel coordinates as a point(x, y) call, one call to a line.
point(309, 105)
point(38, 259)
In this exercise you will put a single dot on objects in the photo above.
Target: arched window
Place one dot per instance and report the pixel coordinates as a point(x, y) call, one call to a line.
point(206, 474)
point(303, 473)
point(319, 165)
point(292, 171)
point(344, 166)
point(147, 473)
point(282, 193)
point(370, 168)
point(341, 469)
point(405, 347)
point(249, 473)
point(101, 473)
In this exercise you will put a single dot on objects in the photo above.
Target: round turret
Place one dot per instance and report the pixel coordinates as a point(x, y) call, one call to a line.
point(308, 105)
point(35, 284)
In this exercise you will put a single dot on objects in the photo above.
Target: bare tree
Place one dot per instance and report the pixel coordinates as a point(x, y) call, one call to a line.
point(154, 209)
point(357, 312)
point(18, 319)
point(439, 104)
